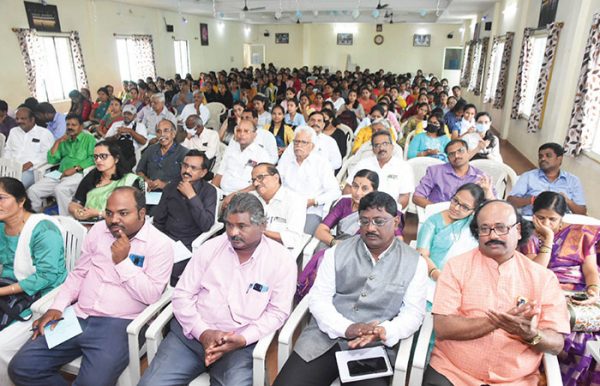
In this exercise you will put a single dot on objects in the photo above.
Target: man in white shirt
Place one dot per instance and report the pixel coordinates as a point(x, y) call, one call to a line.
point(336, 99)
point(264, 138)
point(285, 210)
point(200, 137)
point(28, 144)
point(241, 156)
point(304, 174)
point(130, 133)
point(395, 174)
point(370, 290)
point(156, 114)
point(196, 108)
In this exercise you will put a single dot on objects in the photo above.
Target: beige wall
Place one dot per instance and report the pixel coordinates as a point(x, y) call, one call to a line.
point(577, 18)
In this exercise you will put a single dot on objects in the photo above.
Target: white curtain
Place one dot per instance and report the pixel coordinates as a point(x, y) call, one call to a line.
point(145, 55)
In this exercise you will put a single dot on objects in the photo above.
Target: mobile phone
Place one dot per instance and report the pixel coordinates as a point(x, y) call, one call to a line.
point(367, 366)
point(137, 260)
point(580, 296)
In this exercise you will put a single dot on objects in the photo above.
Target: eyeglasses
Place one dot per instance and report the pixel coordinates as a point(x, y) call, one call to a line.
point(260, 177)
point(500, 229)
point(102, 156)
point(381, 144)
point(301, 143)
point(377, 221)
point(453, 154)
point(194, 168)
point(461, 206)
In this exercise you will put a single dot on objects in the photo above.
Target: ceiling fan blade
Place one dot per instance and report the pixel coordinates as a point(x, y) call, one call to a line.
point(256, 9)
point(382, 6)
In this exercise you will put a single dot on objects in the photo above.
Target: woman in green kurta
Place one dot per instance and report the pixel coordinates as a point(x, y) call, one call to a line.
point(92, 193)
point(31, 254)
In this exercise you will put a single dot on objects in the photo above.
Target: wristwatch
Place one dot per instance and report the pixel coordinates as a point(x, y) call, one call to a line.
point(535, 340)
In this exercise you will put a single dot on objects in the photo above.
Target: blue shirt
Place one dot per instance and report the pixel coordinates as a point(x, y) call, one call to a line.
point(298, 120)
point(422, 142)
point(58, 126)
point(452, 121)
point(534, 182)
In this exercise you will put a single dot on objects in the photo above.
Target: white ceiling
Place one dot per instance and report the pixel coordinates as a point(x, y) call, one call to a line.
point(326, 11)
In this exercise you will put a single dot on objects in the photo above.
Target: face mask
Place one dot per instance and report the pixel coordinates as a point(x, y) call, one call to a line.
point(191, 131)
point(482, 127)
point(431, 128)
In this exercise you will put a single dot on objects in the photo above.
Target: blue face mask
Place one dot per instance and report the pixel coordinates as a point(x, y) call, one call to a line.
point(482, 127)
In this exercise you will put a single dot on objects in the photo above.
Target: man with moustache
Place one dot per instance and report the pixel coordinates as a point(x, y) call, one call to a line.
point(237, 288)
point(161, 162)
point(495, 312)
point(187, 206)
point(550, 177)
point(73, 152)
point(124, 266)
point(158, 112)
point(370, 290)
point(28, 144)
point(130, 133)
point(395, 175)
point(196, 108)
point(200, 137)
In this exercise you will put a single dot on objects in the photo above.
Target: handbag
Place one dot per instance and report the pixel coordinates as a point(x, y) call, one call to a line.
point(584, 318)
point(11, 306)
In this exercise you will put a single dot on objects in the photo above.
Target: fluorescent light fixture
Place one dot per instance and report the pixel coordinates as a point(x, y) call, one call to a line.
point(421, 31)
point(247, 31)
point(348, 28)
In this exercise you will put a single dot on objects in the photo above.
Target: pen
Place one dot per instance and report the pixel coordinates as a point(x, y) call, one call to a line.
point(49, 323)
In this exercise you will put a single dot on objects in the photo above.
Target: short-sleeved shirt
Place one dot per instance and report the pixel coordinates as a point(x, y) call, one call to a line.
point(74, 152)
point(471, 284)
point(534, 182)
point(441, 182)
point(165, 167)
point(236, 165)
point(395, 177)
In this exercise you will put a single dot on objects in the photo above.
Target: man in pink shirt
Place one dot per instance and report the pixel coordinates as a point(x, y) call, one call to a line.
point(237, 288)
point(495, 312)
point(125, 265)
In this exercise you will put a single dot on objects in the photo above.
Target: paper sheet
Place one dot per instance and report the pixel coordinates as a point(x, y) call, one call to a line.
point(64, 330)
point(55, 175)
point(181, 252)
point(152, 198)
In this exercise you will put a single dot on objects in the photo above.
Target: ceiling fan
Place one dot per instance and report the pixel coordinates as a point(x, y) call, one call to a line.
point(246, 9)
point(381, 6)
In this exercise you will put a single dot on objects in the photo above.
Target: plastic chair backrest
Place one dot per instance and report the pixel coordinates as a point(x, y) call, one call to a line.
point(74, 235)
point(420, 165)
point(2, 142)
point(349, 139)
point(216, 110)
point(498, 173)
point(571, 218)
point(409, 138)
point(10, 168)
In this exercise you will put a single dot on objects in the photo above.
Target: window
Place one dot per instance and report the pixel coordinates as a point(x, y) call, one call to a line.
point(127, 62)
point(477, 57)
point(182, 57)
point(136, 57)
point(533, 74)
point(57, 77)
point(492, 82)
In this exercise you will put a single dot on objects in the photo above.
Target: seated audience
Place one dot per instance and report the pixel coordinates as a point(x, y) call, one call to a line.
point(365, 99)
point(483, 143)
point(293, 117)
point(187, 206)
point(124, 266)
point(494, 308)
point(73, 152)
point(550, 177)
point(130, 134)
point(350, 310)
point(196, 108)
point(467, 124)
point(422, 110)
point(28, 144)
point(395, 175)
point(33, 263)
point(6, 121)
point(332, 131)
point(571, 252)
point(353, 105)
point(201, 138)
point(304, 174)
point(264, 138)
point(214, 329)
point(182, 98)
point(80, 105)
point(55, 122)
point(226, 132)
point(304, 106)
point(283, 133)
point(441, 181)
point(110, 172)
point(113, 114)
point(364, 135)
point(161, 162)
point(284, 209)
point(344, 218)
point(241, 156)
point(433, 141)
point(336, 99)
point(157, 112)
point(454, 116)
point(224, 96)
point(326, 145)
point(259, 103)
point(100, 107)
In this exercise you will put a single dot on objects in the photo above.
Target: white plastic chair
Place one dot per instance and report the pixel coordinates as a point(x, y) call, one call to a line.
point(503, 176)
point(10, 168)
point(349, 140)
point(299, 319)
point(424, 213)
point(216, 110)
point(217, 226)
point(2, 143)
point(571, 218)
point(154, 336)
point(419, 166)
point(218, 157)
point(409, 138)
point(419, 363)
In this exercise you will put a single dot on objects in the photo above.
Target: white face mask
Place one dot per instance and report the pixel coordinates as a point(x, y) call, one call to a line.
point(482, 127)
point(191, 131)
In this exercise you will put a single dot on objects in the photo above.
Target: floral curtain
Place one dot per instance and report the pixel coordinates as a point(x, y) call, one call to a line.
point(30, 50)
point(476, 48)
point(487, 94)
point(503, 76)
point(78, 64)
point(537, 110)
point(466, 66)
point(522, 71)
point(586, 109)
point(145, 55)
point(483, 48)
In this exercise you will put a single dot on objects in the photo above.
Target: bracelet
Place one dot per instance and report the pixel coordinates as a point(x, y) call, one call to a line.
point(545, 249)
point(432, 270)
